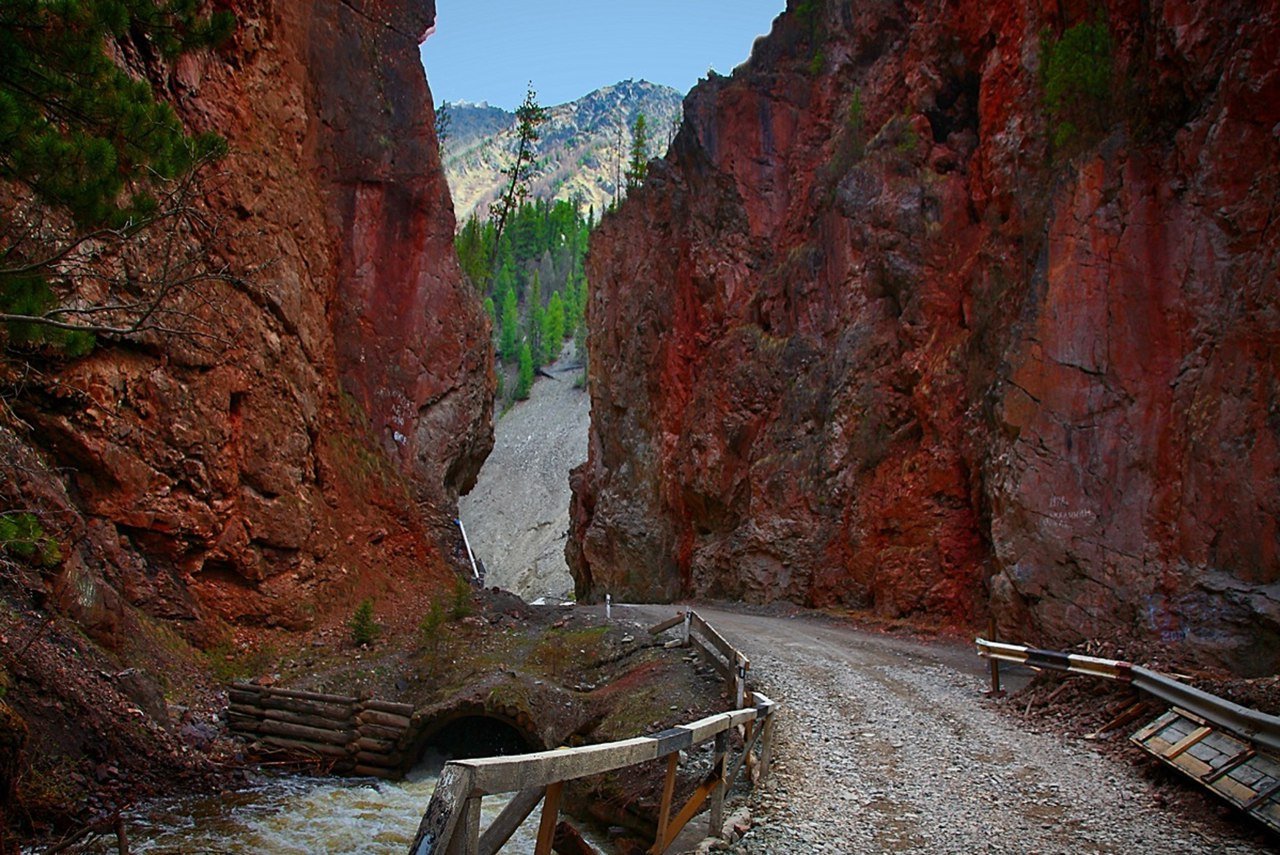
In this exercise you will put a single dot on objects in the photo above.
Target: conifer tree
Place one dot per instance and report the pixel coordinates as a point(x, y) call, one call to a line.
point(85, 137)
point(508, 347)
point(535, 315)
point(553, 329)
point(638, 164)
point(525, 381)
point(529, 116)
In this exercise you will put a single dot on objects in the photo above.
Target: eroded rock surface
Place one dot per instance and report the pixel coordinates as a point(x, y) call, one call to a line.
point(868, 337)
point(319, 444)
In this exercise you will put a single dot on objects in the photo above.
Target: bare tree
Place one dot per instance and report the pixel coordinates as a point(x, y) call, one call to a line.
point(142, 277)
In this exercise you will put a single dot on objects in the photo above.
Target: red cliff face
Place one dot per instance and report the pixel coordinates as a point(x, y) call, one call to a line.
point(316, 451)
point(867, 337)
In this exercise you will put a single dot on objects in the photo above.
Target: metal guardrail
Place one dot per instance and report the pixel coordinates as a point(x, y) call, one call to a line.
point(451, 823)
point(1256, 726)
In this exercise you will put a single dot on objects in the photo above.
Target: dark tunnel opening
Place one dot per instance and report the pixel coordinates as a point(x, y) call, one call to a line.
point(478, 736)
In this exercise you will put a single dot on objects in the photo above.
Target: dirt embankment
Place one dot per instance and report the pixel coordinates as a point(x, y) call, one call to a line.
point(518, 514)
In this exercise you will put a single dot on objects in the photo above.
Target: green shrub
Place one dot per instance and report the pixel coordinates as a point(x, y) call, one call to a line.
point(22, 537)
point(1077, 78)
point(364, 629)
point(460, 606)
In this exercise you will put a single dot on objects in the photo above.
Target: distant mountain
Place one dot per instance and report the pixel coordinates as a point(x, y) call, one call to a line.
point(583, 149)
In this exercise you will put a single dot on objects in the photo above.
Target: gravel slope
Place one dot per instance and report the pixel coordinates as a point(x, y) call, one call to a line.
point(517, 517)
point(886, 745)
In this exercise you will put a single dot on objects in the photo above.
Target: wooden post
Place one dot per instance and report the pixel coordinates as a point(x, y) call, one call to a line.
point(668, 792)
point(466, 837)
point(996, 691)
point(717, 794)
point(684, 633)
point(550, 811)
point(766, 746)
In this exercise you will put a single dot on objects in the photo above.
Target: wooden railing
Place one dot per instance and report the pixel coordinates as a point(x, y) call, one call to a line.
point(451, 825)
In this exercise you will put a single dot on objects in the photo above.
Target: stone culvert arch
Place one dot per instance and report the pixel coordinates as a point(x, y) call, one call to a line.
point(474, 728)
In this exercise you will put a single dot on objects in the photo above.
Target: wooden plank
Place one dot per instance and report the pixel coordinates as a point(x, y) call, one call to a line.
point(373, 758)
point(319, 697)
point(1187, 741)
point(511, 818)
point(543, 768)
point(1243, 757)
point(712, 658)
point(378, 746)
point(717, 792)
point(687, 813)
point(752, 740)
point(309, 734)
point(310, 748)
point(334, 711)
point(766, 746)
point(443, 811)
point(306, 720)
point(547, 826)
point(658, 629)
point(392, 707)
point(375, 771)
point(668, 793)
point(714, 638)
point(466, 838)
point(385, 719)
point(376, 731)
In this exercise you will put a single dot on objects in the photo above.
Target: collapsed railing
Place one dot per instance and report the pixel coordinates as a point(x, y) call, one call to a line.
point(451, 824)
point(1232, 750)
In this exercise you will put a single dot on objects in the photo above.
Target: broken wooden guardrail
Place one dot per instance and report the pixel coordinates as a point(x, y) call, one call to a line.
point(451, 824)
point(1232, 750)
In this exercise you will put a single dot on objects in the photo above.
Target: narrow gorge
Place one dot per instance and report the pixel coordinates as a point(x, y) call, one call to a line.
point(934, 316)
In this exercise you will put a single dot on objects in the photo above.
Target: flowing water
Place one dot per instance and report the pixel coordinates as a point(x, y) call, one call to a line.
point(293, 814)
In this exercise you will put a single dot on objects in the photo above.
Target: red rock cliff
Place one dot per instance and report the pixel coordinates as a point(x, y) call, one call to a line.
point(866, 336)
point(316, 453)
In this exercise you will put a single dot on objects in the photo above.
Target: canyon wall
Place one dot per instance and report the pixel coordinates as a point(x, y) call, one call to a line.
point(883, 331)
point(304, 442)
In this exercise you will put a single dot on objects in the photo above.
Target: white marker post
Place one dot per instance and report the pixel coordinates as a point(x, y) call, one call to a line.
point(474, 571)
point(608, 606)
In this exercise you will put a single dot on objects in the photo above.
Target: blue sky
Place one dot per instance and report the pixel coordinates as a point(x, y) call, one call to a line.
point(488, 50)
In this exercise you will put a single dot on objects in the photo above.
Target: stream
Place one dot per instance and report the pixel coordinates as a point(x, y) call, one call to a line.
point(292, 815)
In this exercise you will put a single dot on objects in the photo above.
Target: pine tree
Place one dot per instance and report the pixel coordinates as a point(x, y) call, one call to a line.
point(553, 329)
point(638, 165)
point(535, 315)
point(525, 382)
point(86, 137)
point(529, 116)
point(508, 346)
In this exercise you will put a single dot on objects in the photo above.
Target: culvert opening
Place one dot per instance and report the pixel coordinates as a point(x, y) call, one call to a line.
point(471, 736)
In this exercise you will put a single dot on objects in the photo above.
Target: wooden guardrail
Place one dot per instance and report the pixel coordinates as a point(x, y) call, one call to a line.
point(364, 736)
point(451, 824)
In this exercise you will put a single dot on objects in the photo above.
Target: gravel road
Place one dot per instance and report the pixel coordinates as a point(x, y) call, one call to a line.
point(887, 745)
point(517, 517)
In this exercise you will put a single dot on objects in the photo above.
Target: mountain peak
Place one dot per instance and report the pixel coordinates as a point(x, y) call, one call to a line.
point(582, 153)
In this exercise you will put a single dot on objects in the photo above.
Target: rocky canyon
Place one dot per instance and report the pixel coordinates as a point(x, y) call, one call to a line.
point(304, 443)
point(956, 310)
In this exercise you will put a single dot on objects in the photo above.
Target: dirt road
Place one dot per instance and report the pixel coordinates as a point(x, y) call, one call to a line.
point(887, 745)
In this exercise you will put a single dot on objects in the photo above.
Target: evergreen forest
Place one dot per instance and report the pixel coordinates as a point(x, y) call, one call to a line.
point(534, 286)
